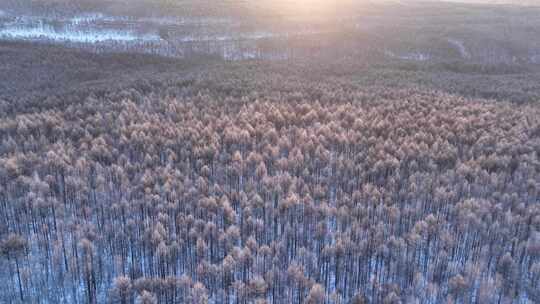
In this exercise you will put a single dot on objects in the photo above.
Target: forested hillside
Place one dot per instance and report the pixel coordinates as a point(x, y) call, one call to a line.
point(255, 183)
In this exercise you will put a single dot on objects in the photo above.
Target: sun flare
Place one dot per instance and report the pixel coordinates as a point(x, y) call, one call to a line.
point(301, 7)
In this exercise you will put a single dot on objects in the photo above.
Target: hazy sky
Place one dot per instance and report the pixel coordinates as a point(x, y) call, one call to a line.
point(518, 2)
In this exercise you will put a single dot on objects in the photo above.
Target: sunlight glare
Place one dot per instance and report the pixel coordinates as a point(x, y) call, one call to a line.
point(302, 7)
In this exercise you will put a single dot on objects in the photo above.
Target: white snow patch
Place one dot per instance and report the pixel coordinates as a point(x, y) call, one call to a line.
point(535, 58)
point(86, 18)
point(414, 56)
point(187, 21)
point(89, 36)
point(460, 47)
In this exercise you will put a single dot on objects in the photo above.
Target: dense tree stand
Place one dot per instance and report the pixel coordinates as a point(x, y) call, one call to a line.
point(255, 188)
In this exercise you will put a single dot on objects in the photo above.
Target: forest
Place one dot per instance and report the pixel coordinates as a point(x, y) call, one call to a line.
point(266, 152)
point(258, 182)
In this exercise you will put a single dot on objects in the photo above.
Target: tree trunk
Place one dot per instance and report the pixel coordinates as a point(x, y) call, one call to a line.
point(19, 280)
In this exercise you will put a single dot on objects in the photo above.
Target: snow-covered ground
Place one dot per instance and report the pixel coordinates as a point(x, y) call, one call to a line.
point(167, 36)
point(225, 37)
point(87, 28)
